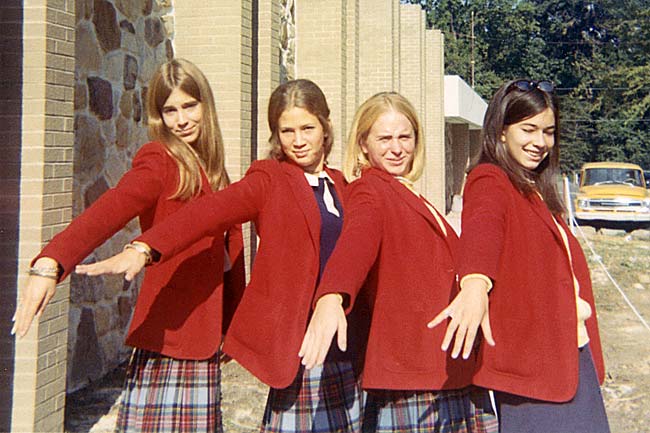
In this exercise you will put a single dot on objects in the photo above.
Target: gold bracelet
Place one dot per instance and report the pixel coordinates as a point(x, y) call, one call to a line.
point(51, 273)
point(141, 248)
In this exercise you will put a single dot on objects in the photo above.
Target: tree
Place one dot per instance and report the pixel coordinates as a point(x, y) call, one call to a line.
point(596, 54)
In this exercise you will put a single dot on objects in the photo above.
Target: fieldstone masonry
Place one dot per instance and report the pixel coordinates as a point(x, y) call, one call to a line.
point(119, 45)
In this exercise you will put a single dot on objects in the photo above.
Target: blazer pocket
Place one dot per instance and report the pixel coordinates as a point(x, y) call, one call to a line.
point(516, 343)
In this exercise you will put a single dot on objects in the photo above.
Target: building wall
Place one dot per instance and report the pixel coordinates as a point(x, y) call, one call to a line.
point(45, 203)
point(377, 49)
point(434, 182)
point(321, 56)
point(351, 48)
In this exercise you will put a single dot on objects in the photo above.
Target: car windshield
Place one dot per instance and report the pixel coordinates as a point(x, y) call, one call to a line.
point(602, 176)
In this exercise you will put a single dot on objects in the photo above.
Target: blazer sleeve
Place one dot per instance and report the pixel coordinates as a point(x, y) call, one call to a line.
point(234, 281)
point(136, 191)
point(483, 223)
point(211, 214)
point(358, 246)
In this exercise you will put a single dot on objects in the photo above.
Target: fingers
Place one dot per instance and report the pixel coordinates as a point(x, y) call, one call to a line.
point(440, 318)
point(37, 293)
point(461, 333)
point(470, 336)
point(328, 319)
point(128, 262)
point(93, 269)
point(487, 330)
point(342, 334)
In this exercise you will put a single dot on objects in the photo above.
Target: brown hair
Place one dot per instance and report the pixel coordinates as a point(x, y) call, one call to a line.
point(366, 115)
point(508, 106)
point(207, 151)
point(303, 94)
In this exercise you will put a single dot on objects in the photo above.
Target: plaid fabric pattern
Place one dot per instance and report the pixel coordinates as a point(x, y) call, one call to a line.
point(325, 399)
point(465, 410)
point(163, 394)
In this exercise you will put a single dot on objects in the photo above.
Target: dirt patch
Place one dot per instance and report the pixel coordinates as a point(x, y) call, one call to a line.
point(626, 340)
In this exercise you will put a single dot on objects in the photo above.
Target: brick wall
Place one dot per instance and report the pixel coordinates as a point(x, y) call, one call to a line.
point(322, 58)
point(45, 203)
point(434, 183)
point(377, 49)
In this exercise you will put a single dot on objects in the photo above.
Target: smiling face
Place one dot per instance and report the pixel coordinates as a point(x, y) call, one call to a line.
point(302, 136)
point(390, 144)
point(182, 115)
point(529, 141)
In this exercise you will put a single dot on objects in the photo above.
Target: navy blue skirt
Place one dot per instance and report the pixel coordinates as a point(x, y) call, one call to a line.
point(585, 413)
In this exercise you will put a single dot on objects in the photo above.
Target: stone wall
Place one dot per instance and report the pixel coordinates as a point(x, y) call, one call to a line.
point(119, 44)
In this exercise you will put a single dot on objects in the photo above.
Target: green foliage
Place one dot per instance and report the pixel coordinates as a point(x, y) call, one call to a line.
point(596, 52)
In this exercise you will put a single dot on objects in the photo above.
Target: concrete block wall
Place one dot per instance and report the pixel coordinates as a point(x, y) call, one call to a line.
point(434, 182)
point(378, 50)
point(268, 67)
point(353, 78)
point(45, 204)
point(322, 57)
point(225, 57)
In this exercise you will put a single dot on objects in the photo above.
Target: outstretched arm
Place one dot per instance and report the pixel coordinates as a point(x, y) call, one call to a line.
point(328, 319)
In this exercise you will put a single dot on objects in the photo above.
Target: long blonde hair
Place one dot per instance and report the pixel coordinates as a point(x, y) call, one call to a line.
point(366, 115)
point(207, 152)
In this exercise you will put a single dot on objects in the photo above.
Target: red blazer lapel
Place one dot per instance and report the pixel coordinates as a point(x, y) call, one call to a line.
point(304, 196)
point(419, 206)
point(540, 208)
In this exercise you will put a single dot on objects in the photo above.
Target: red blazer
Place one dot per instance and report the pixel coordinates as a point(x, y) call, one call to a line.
point(513, 240)
point(392, 250)
point(270, 322)
point(179, 308)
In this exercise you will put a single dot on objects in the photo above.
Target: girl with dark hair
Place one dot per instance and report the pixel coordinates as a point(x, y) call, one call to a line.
point(523, 276)
point(173, 376)
point(297, 205)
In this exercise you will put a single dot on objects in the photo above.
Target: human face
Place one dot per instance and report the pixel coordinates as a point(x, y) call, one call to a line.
point(302, 136)
point(530, 140)
point(390, 143)
point(182, 115)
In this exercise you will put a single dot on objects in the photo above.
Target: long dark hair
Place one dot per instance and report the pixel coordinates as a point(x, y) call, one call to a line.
point(511, 105)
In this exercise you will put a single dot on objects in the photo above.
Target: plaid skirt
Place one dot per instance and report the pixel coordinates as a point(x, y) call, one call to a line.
point(325, 399)
point(163, 394)
point(466, 410)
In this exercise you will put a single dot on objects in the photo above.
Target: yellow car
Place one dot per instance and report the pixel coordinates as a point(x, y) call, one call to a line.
point(612, 192)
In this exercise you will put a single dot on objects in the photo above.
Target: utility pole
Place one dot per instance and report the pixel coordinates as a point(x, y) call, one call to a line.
point(471, 61)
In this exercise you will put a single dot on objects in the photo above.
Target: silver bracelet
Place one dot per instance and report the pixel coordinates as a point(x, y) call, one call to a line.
point(51, 273)
point(141, 249)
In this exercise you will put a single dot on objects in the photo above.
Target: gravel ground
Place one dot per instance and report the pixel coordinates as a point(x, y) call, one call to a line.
point(626, 341)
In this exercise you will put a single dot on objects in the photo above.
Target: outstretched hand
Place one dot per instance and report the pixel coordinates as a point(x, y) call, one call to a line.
point(129, 262)
point(467, 312)
point(37, 293)
point(328, 319)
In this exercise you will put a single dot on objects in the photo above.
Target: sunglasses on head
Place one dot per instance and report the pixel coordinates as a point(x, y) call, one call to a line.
point(528, 85)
